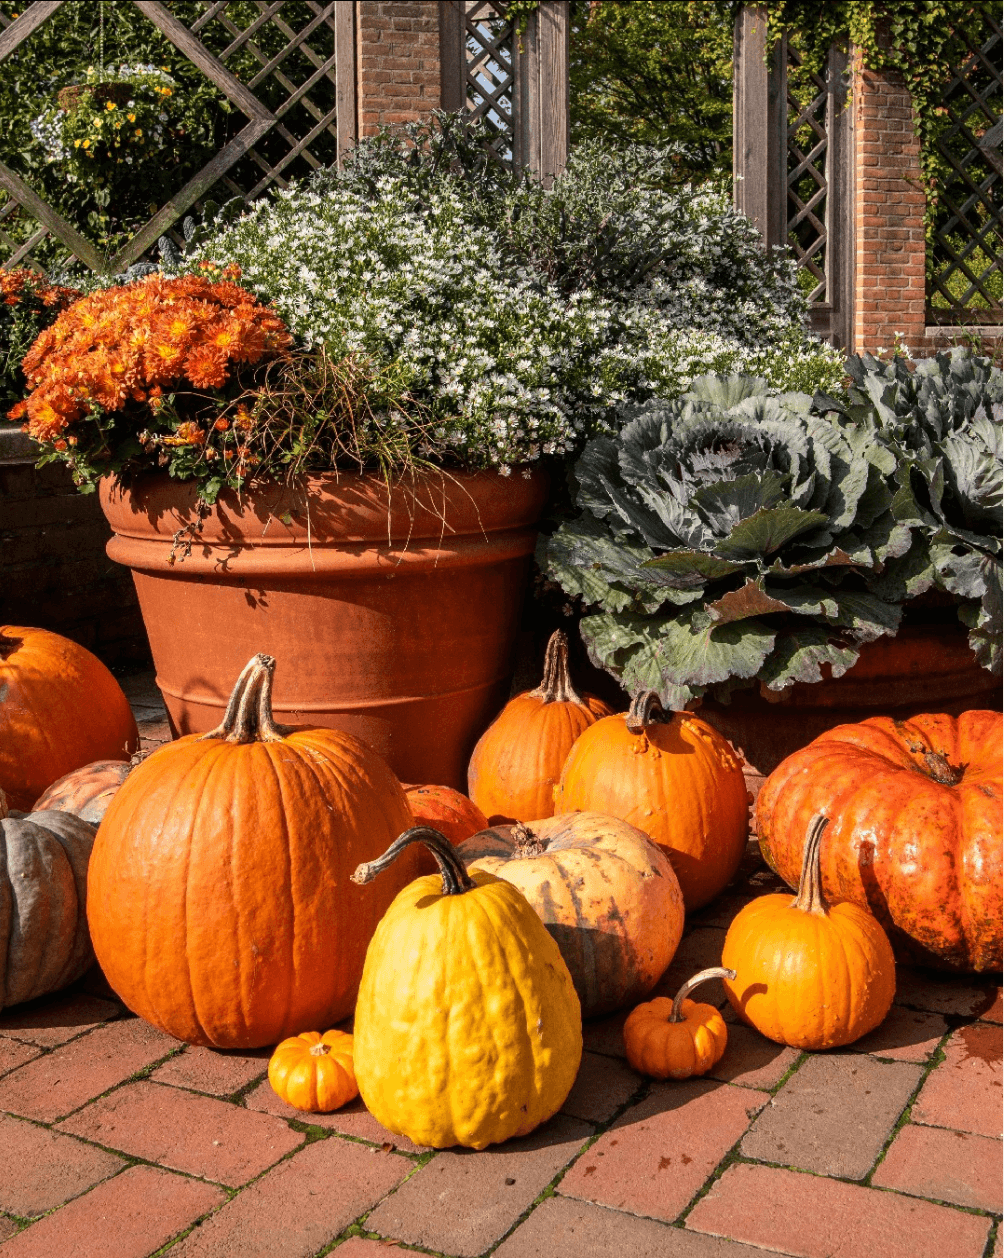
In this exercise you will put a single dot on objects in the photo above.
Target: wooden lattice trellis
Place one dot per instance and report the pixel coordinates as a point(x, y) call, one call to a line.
point(965, 247)
point(294, 111)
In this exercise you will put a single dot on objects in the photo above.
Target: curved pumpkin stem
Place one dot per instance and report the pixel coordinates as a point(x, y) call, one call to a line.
point(646, 709)
point(248, 718)
point(705, 976)
point(456, 879)
point(556, 686)
point(810, 898)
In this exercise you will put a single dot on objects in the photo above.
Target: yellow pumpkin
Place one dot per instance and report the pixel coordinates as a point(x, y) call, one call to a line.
point(674, 777)
point(675, 1039)
point(467, 1027)
point(809, 974)
point(314, 1072)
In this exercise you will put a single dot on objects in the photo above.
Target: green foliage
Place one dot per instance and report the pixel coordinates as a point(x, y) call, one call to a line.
point(733, 536)
point(659, 72)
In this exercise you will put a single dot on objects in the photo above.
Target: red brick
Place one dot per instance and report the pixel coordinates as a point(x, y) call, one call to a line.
point(126, 1217)
point(55, 1019)
point(362, 1247)
point(813, 1217)
point(659, 1153)
point(463, 1202)
point(61, 1081)
point(948, 1165)
point(561, 1228)
point(699, 950)
point(904, 1036)
point(40, 1169)
point(964, 1091)
point(300, 1205)
point(190, 1133)
point(8, 1228)
point(209, 1070)
point(752, 1060)
point(605, 1035)
point(14, 1054)
point(353, 1119)
point(601, 1088)
point(996, 1010)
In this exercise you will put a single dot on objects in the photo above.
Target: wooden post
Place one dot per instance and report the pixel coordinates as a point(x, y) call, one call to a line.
point(542, 101)
point(347, 117)
point(452, 56)
point(759, 131)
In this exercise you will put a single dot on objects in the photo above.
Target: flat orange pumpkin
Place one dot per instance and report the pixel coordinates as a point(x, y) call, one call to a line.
point(915, 829)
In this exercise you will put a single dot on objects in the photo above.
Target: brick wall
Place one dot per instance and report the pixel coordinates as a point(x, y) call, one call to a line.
point(889, 215)
point(397, 52)
point(54, 573)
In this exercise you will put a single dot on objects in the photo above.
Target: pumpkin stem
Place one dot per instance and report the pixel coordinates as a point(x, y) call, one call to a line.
point(556, 685)
point(526, 842)
point(456, 879)
point(646, 709)
point(942, 770)
point(248, 718)
point(705, 976)
point(319, 1050)
point(8, 644)
point(810, 898)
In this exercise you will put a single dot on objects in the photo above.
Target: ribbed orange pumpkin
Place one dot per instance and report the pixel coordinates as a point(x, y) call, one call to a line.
point(60, 708)
point(915, 829)
point(807, 973)
point(447, 811)
point(314, 1072)
point(606, 893)
point(519, 757)
point(671, 775)
point(219, 899)
point(87, 792)
point(678, 1038)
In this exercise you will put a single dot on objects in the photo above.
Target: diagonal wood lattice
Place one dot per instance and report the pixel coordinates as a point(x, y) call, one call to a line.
point(964, 248)
point(489, 70)
point(808, 150)
point(278, 69)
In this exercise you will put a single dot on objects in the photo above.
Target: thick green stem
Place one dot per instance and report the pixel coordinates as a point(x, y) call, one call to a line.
point(556, 686)
point(705, 976)
point(248, 718)
point(456, 879)
point(810, 898)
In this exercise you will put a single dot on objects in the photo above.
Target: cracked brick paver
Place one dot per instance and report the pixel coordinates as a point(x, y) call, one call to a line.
point(834, 1115)
point(810, 1216)
point(659, 1153)
point(196, 1134)
point(964, 1091)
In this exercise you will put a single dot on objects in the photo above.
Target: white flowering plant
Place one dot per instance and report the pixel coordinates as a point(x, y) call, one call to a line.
point(521, 317)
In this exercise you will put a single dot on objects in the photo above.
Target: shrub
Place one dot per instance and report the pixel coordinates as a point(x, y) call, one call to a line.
point(28, 304)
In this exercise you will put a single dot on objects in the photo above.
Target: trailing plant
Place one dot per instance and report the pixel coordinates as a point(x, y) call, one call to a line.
point(28, 304)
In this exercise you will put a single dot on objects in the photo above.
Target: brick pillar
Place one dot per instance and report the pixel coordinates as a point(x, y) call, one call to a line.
point(397, 59)
point(889, 247)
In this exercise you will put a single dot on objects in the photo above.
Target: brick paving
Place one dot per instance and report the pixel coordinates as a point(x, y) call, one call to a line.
point(117, 1140)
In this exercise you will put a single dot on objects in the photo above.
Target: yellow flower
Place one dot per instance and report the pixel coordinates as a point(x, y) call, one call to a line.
point(138, 132)
point(131, 117)
point(110, 104)
point(76, 144)
point(86, 145)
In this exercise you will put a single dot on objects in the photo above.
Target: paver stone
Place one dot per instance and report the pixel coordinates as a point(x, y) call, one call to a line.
point(212, 1070)
point(751, 1059)
point(53, 1020)
point(605, 1035)
point(963, 995)
point(947, 1165)
point(658, 1153)
point(602, 1086)
point(811, 1216)
point(464, 1201)
point(834, 1115)
point(13, 1054)
point(40, 1169)
point(964, 1091)
point(904, 1035)
point(353, 1119)
point(300, 1205)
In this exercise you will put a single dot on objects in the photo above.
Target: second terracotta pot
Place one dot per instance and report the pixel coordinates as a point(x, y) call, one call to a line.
point(392, 613)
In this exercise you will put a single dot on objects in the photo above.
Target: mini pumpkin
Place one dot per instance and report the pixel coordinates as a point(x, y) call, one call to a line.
point(674, 777)
point(445, 810)
point(915, 829)
point(675, 1039)
point(606, 893)
point(314, 1072)
point(807, 973)
point(87, 792)
point(44, 943)
point(219, 899)
point(60, 708)
point(467, 1027)
point(519, 757)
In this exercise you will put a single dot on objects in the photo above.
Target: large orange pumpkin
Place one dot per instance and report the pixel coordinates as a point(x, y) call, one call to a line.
point(519, 757)
point(60, 708)
point(915, 829)
point(606, 893)
point(219, 899)
point(671, 775)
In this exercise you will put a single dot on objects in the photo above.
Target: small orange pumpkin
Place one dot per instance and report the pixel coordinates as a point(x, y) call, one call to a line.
point(60, 708)
point(445, 810)
point(519, 757)
point(87, 792)
point(675, 1039)
point(809, 974)
point(671, 775)
point(314, 1072)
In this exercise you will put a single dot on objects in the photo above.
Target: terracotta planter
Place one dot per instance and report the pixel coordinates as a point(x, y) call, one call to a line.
point(925, 668)
point(392, 613)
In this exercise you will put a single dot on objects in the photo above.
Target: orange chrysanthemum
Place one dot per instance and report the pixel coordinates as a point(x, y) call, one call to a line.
point(121, 345)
